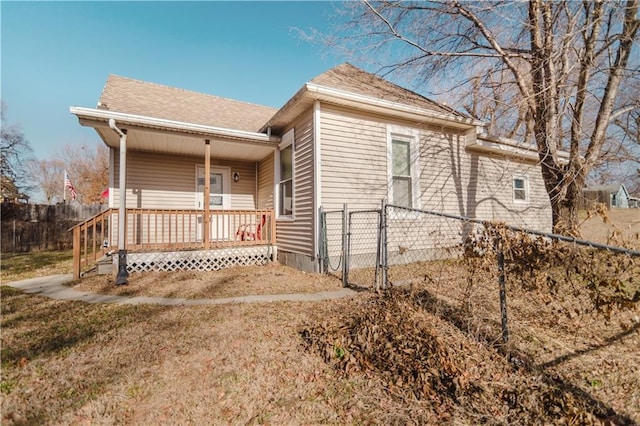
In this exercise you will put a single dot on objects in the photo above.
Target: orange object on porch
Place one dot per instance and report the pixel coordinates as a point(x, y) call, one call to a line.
point(251, 232)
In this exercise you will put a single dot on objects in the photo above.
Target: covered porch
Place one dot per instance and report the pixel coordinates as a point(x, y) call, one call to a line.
point(162, 205)
point(166, 240)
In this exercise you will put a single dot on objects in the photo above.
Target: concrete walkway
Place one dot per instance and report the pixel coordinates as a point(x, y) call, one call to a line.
point(52, 287)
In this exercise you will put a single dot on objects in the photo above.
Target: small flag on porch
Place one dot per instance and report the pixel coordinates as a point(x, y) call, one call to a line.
point(105, 193)
point(68, 185)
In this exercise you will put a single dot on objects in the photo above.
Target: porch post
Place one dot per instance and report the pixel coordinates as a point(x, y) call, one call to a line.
point(122, 276)
point(207, 183)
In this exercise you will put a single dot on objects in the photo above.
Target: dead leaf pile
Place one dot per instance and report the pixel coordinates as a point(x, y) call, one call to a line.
point(419, 356)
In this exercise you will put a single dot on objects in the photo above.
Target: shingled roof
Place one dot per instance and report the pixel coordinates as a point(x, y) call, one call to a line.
point(352, 79)
point(126, 95)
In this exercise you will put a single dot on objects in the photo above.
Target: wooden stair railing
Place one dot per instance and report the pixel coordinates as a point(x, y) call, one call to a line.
point(89, 239)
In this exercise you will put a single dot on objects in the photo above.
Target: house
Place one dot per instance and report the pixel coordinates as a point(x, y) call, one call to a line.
point(614, 195)
point(347, 136)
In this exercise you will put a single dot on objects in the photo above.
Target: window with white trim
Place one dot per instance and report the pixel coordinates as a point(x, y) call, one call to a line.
point(403, 170)
point(520, 189)
point(286, 175)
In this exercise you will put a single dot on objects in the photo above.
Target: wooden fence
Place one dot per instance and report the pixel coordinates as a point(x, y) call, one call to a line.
point(26, 227)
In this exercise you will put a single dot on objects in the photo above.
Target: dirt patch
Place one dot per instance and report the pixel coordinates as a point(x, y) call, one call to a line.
point(616, 227)
point(237, 281)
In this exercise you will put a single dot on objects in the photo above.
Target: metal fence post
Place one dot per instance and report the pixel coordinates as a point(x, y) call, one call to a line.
point(323, 241)
point(383, 252)
point(345, 253)
point(503, 292)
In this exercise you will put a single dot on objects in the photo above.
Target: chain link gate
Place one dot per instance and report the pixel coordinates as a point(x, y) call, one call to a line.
point(351, 245)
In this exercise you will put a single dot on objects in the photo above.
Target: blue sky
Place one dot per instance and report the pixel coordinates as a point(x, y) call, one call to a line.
point(59, 54)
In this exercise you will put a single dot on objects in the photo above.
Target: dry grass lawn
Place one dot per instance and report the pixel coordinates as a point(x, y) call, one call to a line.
point(426, 353)
point(615, 227)
point(237, 281)
point(414, 356)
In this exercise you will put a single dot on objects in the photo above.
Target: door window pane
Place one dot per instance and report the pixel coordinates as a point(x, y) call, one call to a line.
point(215, 188)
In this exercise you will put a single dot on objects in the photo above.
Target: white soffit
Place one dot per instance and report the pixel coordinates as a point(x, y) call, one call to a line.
point(156, 135)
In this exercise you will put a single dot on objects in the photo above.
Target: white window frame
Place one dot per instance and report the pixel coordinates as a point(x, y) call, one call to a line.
point(412, 136)
point(287, 141)
point(525, 180)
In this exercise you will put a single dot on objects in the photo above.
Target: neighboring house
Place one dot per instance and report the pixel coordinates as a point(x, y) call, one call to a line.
point(346, 136)
point(614, 195)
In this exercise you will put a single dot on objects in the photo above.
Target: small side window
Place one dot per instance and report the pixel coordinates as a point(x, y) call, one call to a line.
point(285, 176)
point(286, 181)
point(520, 189)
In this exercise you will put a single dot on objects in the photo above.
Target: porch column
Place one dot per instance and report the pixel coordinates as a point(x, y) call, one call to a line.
point(207, 183)
point(122, 276)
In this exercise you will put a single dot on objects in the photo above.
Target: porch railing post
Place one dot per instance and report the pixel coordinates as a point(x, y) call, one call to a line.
point(76, 253)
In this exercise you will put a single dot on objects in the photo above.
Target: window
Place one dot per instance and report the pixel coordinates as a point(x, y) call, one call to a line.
point(403, 167)
point(285, 176)
point(520, 189)
point(401, 173)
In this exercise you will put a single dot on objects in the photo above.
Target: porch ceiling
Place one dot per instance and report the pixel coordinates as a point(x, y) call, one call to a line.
point(178, 138)
point(173, 143)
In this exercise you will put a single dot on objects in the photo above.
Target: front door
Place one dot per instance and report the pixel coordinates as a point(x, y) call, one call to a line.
point(219, 199)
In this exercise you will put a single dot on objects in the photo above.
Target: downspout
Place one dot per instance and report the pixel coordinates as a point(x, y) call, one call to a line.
point(317, 187)
point(122, 276)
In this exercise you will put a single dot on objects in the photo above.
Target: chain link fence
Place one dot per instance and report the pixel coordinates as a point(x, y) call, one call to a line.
point(560, 309)
point(459, 258)
point(332, 228)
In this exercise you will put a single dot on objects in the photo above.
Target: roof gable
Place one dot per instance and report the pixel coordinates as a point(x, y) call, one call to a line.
point(352, 79)
point(126, 95)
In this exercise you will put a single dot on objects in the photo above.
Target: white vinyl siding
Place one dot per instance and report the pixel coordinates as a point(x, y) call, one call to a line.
point(296, 235)
point(477, 185)
point(159, 181)
point(265, 183)
point(451, 179)
point(354, 160)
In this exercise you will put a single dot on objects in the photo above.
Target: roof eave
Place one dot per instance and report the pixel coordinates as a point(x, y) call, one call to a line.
point(311, 92)
point(510, 148)
point(87, 115)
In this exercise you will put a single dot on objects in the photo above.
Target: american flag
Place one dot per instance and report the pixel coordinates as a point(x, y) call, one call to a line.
point(68, 185)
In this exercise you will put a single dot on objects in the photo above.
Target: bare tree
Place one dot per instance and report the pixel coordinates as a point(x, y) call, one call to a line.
point(15, 152)
point(48, 176)
point(542, 70)
point(88, 168)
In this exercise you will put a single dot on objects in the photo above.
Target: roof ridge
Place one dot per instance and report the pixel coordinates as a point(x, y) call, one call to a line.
point(180, 89)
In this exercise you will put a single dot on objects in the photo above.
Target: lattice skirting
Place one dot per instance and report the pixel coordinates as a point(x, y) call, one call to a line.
point(201, 260)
